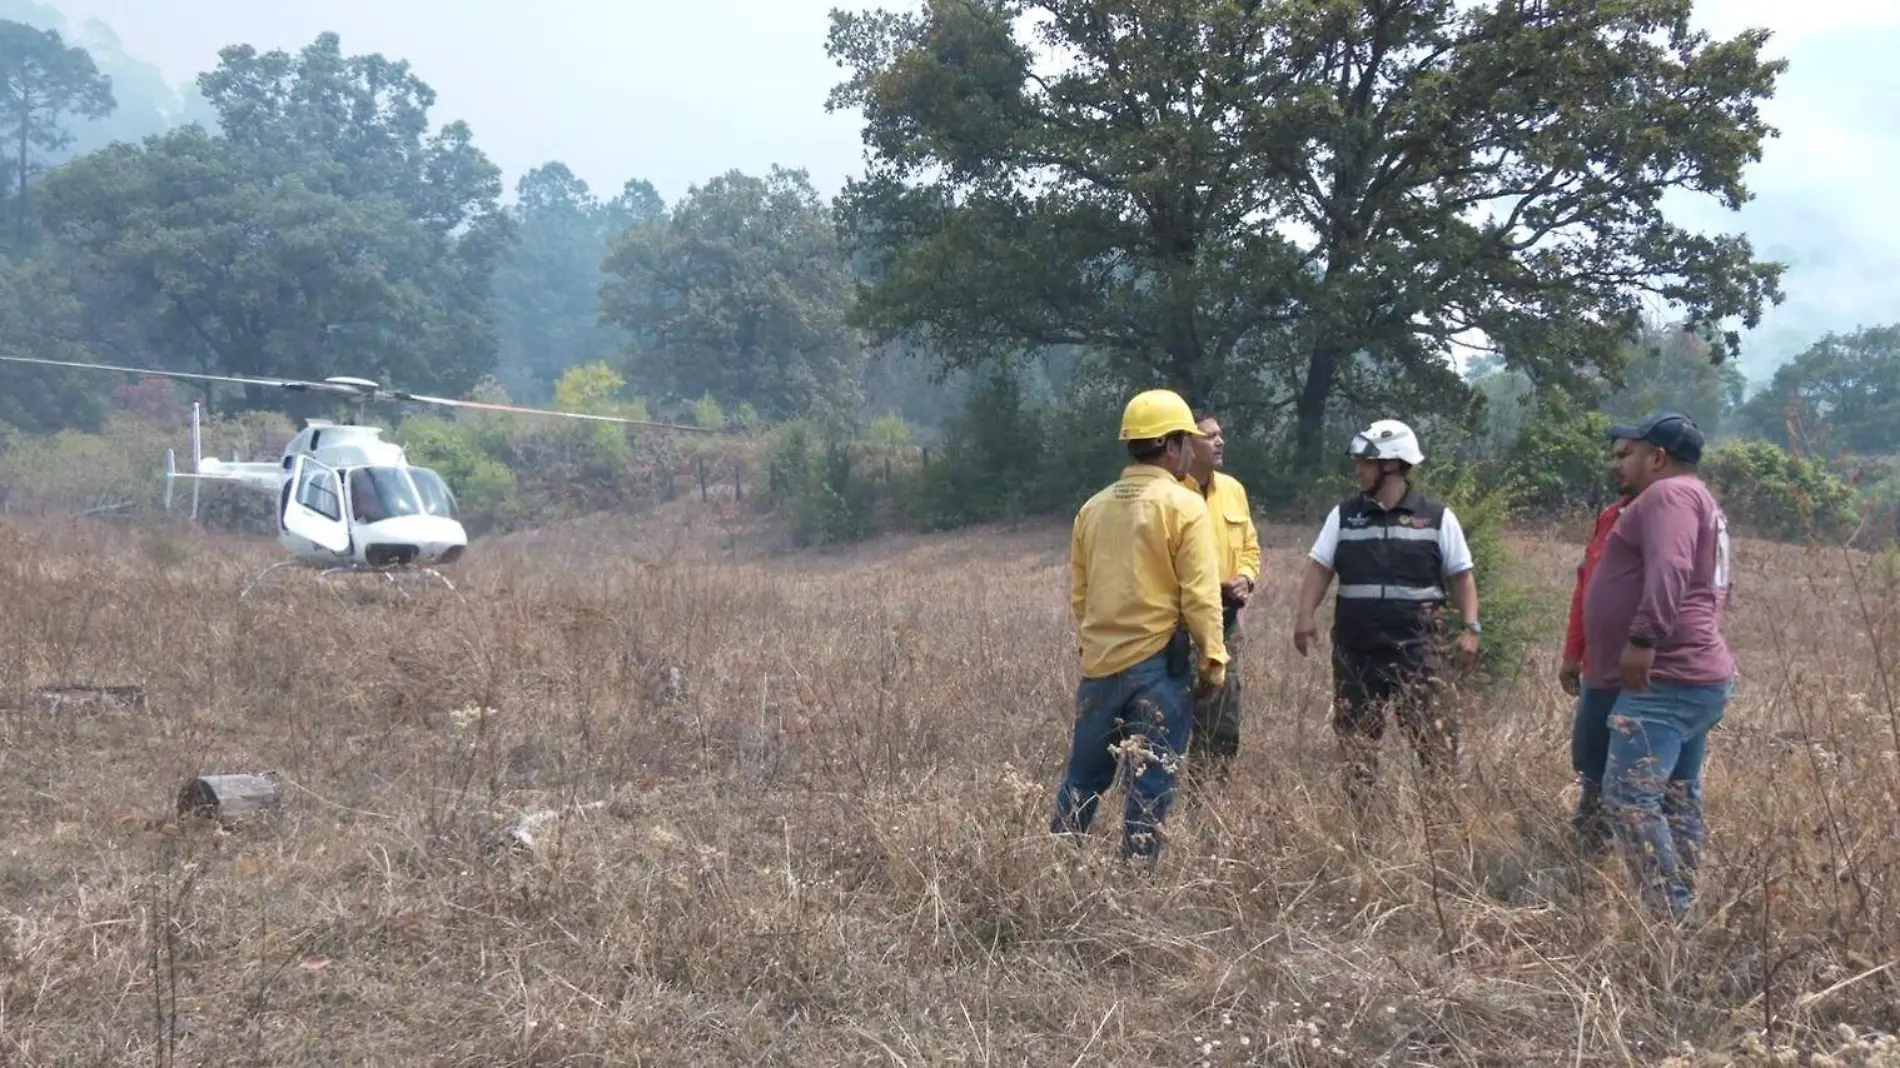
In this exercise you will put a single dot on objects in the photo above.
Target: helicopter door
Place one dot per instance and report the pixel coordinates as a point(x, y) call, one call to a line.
point(314, 510)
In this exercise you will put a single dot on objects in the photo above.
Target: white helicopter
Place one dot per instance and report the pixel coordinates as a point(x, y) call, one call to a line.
point(347, 501)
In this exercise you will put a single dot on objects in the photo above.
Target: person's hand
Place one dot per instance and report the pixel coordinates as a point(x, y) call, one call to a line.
point(1635, 668)
point(1467, 649)
point(1570, 677)
point(1236, 590)
point(1211, 677)
point(1305, 633)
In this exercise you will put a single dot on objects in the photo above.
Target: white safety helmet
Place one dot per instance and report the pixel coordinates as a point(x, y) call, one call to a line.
point(1387, 439)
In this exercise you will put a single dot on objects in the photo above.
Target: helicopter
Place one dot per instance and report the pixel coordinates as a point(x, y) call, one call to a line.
point(348, 501)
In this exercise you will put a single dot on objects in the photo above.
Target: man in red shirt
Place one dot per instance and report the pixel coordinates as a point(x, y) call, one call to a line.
point(1590, 725)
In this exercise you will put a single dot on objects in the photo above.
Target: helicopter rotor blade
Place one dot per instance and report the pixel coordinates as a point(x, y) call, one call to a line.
point(294, 384)
point(516, 409)
point(361, 389)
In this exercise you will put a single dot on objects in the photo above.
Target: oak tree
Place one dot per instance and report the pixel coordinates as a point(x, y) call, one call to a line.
point(1314, 196)
point(324, 231)
point(739, 294)
point(1839, 396)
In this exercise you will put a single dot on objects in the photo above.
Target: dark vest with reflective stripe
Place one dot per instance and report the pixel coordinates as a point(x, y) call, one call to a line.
point(1390, 572)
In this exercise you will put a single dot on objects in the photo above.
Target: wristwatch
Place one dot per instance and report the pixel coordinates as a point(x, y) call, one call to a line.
point(1641, 643)
point(1475, 627)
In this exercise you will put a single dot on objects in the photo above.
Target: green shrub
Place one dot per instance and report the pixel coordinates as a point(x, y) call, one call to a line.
point(1559, 462)
point(991, 460)
point(122, 469)
point(594, 389)
point(707, 414)
point(1081, 452)
point(1515, 618)
point(814, 475)
point(73, 471)
point(1771, 493)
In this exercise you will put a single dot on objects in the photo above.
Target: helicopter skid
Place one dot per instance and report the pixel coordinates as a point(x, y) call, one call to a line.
point(394, 576)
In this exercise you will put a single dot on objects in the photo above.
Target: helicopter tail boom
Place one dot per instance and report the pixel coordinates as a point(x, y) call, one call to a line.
point(260, 475)
point(172, 474)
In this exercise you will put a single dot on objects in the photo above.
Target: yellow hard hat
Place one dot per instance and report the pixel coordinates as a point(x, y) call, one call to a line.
point(1156, 414)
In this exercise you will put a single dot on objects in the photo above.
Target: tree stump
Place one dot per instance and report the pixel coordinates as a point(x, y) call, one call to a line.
point(228, 798)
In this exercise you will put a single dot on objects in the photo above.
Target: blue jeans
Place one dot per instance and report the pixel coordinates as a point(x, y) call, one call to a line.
point(1142, 700)
point(1589, 752)
point(1652, 783)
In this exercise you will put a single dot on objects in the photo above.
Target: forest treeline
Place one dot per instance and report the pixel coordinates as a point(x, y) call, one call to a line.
point(1288, 212)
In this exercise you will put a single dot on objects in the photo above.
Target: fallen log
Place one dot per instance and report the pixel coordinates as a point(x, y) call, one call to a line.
point(228, 798)
point(52, 699)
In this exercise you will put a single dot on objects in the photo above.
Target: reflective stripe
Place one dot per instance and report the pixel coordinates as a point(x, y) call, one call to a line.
point(1392, 533)
point(1373, 591)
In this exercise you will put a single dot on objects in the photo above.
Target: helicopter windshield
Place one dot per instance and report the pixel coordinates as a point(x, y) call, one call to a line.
point(378, 493)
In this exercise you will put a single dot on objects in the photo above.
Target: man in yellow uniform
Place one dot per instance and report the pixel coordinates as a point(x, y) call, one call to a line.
point(1216, 734)
point(1142, 564)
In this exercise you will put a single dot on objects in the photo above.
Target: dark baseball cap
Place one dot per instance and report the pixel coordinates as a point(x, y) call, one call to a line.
point(1672, 432)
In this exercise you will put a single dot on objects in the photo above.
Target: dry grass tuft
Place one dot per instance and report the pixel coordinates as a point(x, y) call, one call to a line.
point(791, 809)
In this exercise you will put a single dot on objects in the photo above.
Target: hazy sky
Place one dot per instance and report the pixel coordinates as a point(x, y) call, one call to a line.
point(677, 92)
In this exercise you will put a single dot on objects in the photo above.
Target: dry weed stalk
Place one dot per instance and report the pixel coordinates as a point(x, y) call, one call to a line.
point(815, 792)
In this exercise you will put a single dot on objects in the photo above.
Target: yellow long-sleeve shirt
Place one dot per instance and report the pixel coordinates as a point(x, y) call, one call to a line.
point(1236, 539)
point(1142, 558)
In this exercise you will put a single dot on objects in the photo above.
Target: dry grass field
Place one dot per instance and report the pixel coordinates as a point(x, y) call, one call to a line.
point(801, 807)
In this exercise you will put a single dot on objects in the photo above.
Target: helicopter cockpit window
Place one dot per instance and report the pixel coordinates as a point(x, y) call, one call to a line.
point(386, 492)
point(318, 492)
point(364, 505)
point(435, 494)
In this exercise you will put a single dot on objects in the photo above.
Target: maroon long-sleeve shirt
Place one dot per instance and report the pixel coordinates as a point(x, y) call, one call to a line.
point(1664, 576)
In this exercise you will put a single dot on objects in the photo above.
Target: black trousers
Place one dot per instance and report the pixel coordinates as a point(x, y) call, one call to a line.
point(1399, 681)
